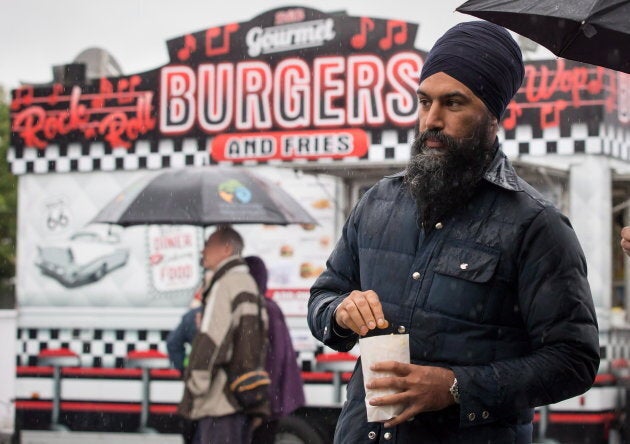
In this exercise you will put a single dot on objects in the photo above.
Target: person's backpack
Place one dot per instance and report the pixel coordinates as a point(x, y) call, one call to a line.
point(250, 388)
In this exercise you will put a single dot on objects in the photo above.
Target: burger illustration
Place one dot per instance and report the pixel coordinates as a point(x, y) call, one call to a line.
point(308, 270)
point(286, 250)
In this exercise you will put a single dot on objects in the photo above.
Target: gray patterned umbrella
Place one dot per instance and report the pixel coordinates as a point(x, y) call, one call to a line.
point(589, 31)
point(204, 196)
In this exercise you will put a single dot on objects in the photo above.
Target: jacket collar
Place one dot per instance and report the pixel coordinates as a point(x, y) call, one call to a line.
point(500, 172)
point(237, 260)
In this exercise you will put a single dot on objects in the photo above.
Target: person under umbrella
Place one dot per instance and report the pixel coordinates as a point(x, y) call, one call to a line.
point(230, 346)
point(588, 31)
point(485, 275)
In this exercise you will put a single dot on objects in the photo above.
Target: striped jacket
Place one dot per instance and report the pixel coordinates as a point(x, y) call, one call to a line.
point(231, 341)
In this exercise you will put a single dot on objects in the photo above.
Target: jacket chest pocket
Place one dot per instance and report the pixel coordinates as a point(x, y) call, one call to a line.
point(461, 283)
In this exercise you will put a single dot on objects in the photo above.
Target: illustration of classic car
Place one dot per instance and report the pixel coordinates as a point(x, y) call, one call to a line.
point(86, 257)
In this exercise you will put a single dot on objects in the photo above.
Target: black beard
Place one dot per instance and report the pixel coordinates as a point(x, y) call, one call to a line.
point(443, 180)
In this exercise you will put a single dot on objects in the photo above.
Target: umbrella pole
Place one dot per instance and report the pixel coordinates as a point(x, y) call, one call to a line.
point(582, 27)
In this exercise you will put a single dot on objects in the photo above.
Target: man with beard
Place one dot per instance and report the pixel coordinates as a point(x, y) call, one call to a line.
point(486, 277)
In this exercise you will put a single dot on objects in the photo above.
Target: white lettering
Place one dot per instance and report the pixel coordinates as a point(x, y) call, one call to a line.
point(365, 90)
point(177, 100)
point(253, 89)
point(216, 86)
point(287, 37)
point(292, 100)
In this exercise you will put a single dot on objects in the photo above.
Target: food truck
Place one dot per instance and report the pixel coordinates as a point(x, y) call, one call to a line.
point(323, 104)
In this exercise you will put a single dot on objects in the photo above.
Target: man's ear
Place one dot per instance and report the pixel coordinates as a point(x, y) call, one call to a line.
point(493, 126)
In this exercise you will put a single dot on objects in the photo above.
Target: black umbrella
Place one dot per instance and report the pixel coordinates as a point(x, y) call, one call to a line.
point(589, 31)
point(204, 196)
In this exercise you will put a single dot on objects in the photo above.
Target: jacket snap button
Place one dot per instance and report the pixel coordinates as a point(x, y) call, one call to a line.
point(463, 266)
point(439, 226)
point(485, 414)
point(401, 329)
point(372, 435)
point(387, 436)
point(471, 416)
point(415, 275)
point(325, 330)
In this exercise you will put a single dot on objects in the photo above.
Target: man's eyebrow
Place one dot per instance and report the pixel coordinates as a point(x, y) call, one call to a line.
point(450, 95)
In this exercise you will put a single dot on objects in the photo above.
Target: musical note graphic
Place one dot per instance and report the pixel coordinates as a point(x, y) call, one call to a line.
point(128, 85)
point(359, 40)
point(190, 46)
point(56, 91)
point(215, 33)
point(514, 111)
point(23, 96)
point(552, 109)
point(399, 37)
point(105, 87)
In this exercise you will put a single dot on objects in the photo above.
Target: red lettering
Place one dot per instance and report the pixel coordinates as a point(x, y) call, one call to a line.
point(36, 126)
point(548, 90)
point(176, 273)
point(28, 123)
point(176, 241)
point(541, 85)
point(119, 128)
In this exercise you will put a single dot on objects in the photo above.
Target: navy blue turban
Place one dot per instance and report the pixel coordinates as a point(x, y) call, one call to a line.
point(484, 57)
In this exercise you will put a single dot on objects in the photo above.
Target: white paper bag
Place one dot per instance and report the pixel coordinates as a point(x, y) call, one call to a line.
point(378, 349)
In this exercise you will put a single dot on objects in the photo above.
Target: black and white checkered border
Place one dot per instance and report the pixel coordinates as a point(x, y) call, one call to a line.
point(614, 344)
point(384, 146)
point(95, 347)
point(610, 140)
point(578, 138)
point(615, 141)
point(108, 347)
point(98, 157)
point(104, 348)
point(389, 145)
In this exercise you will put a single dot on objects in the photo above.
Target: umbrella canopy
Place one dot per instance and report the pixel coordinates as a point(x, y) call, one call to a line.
point(589, 31)
point(204, 196)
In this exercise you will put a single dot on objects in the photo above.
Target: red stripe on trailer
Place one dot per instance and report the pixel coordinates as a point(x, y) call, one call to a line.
point(104, 372)
point(111, 407)
point(33, 405)
point(580, 418)
point(23, 370)
point(324, 376)
point(605, 379)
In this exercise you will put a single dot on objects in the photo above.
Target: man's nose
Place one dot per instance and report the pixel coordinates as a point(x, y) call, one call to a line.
point(433, 118)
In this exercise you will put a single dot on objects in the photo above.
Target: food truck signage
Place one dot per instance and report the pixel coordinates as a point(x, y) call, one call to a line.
point(293, 83)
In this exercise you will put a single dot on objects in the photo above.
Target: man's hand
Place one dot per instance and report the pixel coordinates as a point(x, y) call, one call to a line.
point(625, 240)
point(421, 388)
point(361, 311)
